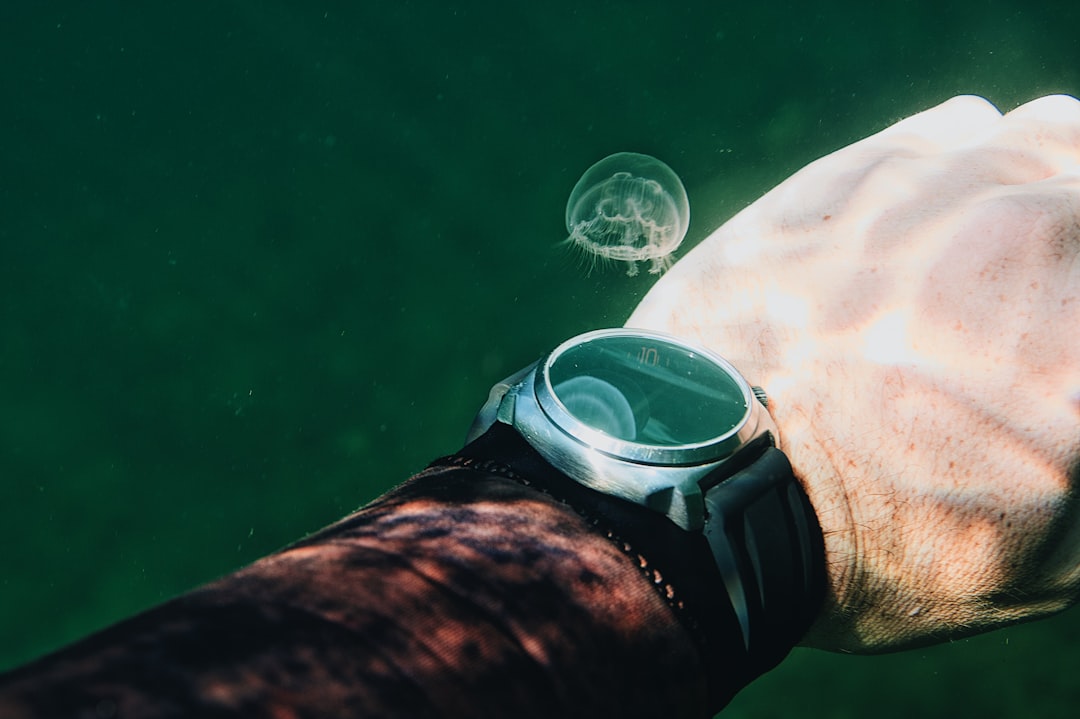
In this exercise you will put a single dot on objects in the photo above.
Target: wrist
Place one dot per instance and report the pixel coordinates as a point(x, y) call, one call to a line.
point(606, 635)
point(743, 617)
point(857, 569)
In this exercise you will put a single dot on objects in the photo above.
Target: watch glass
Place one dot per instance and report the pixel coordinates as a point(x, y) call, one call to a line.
point(646, 389)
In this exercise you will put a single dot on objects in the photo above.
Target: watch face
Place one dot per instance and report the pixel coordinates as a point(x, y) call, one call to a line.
point(642, 389)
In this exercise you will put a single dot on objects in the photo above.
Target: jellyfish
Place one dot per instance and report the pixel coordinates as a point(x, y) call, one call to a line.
point(629, 208)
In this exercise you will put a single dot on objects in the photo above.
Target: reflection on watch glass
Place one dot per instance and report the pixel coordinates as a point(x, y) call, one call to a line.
point(647, 390)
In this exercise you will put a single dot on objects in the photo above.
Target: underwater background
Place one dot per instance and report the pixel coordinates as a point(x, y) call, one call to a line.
point(261, 260)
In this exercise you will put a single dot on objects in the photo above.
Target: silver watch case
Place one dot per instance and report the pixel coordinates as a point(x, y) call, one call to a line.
point(665, 479)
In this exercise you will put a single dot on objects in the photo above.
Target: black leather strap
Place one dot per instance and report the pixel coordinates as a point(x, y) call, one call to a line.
point(760, 515)
point(767, 542)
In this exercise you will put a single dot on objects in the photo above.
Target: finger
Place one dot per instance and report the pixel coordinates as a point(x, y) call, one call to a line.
point(1061, 109)
point(1047, 128)
point(951, 124)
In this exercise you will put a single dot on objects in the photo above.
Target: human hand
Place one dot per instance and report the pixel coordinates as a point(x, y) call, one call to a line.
point(911, 305)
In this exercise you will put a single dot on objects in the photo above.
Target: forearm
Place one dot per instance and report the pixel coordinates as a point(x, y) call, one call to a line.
point(460, 594)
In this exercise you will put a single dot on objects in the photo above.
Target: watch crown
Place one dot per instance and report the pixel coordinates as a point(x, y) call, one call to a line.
point(759, 393)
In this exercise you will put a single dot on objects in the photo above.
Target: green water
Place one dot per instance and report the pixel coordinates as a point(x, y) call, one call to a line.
point(260, 260)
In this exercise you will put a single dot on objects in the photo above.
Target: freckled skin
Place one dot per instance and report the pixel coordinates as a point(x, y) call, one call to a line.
point(459, 594)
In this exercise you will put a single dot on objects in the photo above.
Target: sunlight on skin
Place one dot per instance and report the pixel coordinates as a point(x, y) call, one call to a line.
point(910, 303)
point(888, 341)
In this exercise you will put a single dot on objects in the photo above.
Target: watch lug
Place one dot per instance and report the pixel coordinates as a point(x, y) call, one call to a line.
point(493, 409)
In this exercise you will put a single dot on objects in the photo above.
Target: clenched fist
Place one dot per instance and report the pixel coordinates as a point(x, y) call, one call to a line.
point(911, 305)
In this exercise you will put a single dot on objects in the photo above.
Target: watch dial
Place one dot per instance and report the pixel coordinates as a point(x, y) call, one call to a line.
point(647, 390)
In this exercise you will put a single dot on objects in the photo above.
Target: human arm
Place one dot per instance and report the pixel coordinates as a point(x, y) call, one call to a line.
point(812, 313)
point(461, 593)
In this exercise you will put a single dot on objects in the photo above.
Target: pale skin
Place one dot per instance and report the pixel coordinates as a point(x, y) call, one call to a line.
point(911, 305)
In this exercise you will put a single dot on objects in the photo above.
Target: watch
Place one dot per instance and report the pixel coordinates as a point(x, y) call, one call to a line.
point(666, 447)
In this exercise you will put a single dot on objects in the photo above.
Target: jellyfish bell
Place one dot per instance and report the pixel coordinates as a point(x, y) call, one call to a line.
point(629, 208)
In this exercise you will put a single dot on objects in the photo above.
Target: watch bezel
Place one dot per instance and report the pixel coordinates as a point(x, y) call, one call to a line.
point(667, 480)
point(690, 453)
